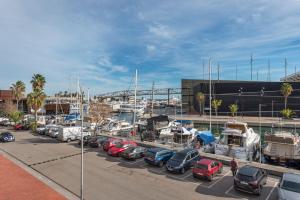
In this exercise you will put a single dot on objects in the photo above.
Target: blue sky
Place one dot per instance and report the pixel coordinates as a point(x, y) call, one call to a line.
point(103, 42)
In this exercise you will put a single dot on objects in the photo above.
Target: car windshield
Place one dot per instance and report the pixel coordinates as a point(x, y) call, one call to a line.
point(178, 156)
point(129, 150)
point(201, 166)
point(119, 145)
point(150, 154)
point(291, 186)
point(244, 177)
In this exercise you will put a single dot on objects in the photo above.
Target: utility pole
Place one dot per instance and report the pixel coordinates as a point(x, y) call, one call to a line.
point(152, 98)
point(209, 74)
point(269, 72)
point(203, 65)
point(236, 71)
point(135, 91)
point(285, 69)
point(251, 63)
point(260, 133)
point(81, 185)
point(218, 72)
point(257, 75)
point(295, 69)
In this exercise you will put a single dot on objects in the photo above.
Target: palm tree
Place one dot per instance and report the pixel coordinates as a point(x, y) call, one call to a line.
point(287, 113)
point(233, 109)
point(35, 101)
point(36, 98)
point(18, 90)
point(38, 82)
point(201, 99)
point(286, 90)
point(216, 103)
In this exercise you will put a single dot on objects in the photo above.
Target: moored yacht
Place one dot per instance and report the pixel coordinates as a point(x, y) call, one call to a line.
point(237, 140)
point(282, 147)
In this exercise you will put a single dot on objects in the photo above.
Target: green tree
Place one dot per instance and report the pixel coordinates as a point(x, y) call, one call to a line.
point(286, 90)
point(36, 98)
point(15, 116)
point(233, 109)
point(201, 100)
point(287, 113)
point(18, 90)
point(216, 103)
point(38, 82)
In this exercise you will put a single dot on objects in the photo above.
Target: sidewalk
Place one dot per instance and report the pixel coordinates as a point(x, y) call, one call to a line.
point(17, 184)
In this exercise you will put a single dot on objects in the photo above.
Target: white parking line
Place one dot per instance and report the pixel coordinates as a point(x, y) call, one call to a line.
point(232, 195)
point(218, 180)
point(275, 185)
point(215, 182)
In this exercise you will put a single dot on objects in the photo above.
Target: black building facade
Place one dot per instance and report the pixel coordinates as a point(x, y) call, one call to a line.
point(246, 94)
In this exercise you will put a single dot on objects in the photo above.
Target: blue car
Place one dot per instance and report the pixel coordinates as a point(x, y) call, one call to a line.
point(183, 160)
point(158, 156)
point(6, 137)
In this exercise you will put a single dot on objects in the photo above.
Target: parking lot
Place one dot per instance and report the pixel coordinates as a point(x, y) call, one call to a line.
point(107, 177)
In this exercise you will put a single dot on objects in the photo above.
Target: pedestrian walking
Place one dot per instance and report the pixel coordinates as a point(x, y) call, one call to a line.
point(233, 166)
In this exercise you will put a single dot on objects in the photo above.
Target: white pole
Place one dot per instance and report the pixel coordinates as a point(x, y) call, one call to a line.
point(260, 133)
point(209, 69)
point(81, 185)
point(135, 89)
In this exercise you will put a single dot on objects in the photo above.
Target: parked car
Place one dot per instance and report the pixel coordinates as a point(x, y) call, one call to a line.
point(110, 143)
point(7, 137)
point(97, 141)
point(133, 153)
point(158, 156)
point(41, 130)
point(120, 147)
point(5, 122)
point(250, 179)
point(289, 187)
point(86, 140)
point(19, 127)
point(207, 168)
point(183, 160)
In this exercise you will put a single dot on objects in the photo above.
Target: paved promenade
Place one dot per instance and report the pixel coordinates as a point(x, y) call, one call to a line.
point(17, 184)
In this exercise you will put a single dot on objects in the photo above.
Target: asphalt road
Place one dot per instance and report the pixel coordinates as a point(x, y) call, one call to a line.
point(113, 178)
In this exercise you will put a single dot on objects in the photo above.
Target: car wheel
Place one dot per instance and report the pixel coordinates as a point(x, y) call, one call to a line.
point(220, 170)
point(68, 140)
point(259, 190)
point(161, 163)
point(210, 177)
point(182, 170)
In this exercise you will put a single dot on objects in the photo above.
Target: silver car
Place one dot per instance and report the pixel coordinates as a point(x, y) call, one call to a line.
point(289, 187)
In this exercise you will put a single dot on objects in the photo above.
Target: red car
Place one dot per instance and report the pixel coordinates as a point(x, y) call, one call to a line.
point(120, 147)
point(111, 142)
point(207, 168)
point(19, 127)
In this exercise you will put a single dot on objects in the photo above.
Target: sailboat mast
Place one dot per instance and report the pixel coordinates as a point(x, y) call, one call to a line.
point(209, 69)
point(135, 89)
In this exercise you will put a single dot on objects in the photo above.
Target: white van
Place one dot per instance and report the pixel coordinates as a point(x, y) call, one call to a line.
point(67, 134)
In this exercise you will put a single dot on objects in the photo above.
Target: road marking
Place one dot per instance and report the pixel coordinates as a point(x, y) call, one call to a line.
point(215, 182)
point(235, 196)
point(228, 190)
point(218, 180)
point(275, 185)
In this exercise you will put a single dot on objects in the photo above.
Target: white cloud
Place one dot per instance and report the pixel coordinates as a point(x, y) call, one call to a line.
point(161, 31)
